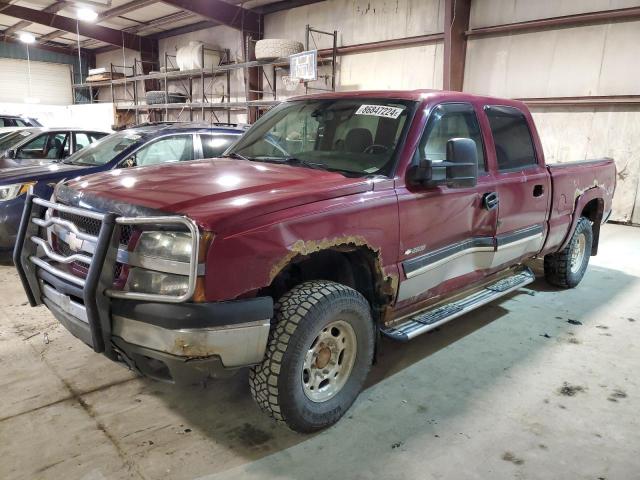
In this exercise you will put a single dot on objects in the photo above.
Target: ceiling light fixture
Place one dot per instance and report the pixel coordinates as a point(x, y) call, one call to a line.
point(86, 14)
point(26, 37)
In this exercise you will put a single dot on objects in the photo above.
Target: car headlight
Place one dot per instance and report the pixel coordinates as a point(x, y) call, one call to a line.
point(9, 192)
point(149, 281)
point(176, 246)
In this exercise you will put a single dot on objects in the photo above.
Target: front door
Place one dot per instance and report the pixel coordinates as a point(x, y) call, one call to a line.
point(522, 186)
point(447, 234)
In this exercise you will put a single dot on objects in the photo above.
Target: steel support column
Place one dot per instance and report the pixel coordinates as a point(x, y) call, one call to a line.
point(456, 23)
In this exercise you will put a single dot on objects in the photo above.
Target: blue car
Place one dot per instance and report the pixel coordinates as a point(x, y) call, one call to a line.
point(135, 147)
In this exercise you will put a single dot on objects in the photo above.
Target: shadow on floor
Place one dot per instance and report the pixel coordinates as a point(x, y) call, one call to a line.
point(5, 258)
point(495, 339)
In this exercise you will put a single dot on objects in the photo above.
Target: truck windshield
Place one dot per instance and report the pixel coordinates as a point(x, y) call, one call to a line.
point(353, 136)
point(104, 150)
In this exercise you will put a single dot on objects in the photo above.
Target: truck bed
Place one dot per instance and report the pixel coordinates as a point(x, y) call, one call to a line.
point(574, 185)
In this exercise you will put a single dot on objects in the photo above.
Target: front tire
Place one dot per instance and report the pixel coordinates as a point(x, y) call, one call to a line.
point(318, 356)
point(566, 268)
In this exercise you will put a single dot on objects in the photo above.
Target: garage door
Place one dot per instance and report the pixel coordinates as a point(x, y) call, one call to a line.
point(50, 82)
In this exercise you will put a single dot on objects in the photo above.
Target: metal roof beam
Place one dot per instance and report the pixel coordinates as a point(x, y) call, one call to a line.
point(106, 15)
point(222, 12)
point(21, 25)
point(283, 5)
point(104, 34)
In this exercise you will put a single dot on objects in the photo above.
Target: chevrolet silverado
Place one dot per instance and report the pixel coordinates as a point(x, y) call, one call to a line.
point(336, 219)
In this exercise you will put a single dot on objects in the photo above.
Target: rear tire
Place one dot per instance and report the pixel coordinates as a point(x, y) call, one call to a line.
point(318, 356)
point(272, 48)
point(566, 268)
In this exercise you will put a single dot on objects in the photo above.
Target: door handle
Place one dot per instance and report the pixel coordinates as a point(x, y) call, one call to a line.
point(538, 190)
point(490, 200)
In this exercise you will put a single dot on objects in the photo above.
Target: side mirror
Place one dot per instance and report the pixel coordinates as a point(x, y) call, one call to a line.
point(460, 170)
point(11, 154)
point(462, 159)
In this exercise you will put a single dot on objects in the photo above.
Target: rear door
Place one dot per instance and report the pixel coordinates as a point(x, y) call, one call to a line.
point(214, 144)
point(447, 234)
point(522, 185)
point(84, 139)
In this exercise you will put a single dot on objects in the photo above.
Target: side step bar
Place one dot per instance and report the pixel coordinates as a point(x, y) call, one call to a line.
point(429, 319)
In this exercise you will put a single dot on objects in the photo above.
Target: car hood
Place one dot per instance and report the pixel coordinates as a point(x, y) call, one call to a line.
point(23, 162)
point(213, 192)
point(36, 172)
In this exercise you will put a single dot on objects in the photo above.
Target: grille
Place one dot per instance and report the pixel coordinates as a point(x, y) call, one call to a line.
point(79, 268)
point(92, 226)
point(117, 270)
point(85, 224)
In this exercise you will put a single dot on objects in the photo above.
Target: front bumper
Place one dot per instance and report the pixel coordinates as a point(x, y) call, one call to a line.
point(176, 342)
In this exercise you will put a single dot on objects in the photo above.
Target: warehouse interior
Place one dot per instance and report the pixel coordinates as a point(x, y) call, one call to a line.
point(538, 384)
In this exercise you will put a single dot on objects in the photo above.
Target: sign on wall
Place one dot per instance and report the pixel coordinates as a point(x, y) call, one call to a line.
point(304, 65)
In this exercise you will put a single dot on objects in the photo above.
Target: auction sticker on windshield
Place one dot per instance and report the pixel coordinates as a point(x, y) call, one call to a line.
point(379, 111)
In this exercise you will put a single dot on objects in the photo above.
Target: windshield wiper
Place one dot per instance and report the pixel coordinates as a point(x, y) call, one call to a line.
point(295, 161)
point(237, 156)
point(304, 163)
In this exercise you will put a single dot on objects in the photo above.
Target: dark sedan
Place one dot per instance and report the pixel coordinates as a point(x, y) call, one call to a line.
point(135, 147)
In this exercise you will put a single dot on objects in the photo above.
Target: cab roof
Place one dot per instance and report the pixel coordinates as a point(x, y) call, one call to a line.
point(412, 95)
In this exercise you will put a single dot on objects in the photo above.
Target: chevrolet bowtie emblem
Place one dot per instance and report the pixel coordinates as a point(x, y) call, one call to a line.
point(74, 242)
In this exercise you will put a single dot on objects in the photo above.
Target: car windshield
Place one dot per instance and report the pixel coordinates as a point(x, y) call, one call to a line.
point(10, 139)
point(104, 150)
point(353, 136)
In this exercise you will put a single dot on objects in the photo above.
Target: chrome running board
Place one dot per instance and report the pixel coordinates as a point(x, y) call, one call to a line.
point(428, 319)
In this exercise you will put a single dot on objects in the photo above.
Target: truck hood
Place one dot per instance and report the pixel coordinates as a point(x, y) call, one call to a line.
point(212, 192)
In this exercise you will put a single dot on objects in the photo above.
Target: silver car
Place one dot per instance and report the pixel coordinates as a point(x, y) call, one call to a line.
point(40, 145)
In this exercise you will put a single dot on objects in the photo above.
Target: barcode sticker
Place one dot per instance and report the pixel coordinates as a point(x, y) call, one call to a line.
point(379, 111)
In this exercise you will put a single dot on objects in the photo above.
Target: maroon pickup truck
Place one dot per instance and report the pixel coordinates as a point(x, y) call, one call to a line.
point(336, 219)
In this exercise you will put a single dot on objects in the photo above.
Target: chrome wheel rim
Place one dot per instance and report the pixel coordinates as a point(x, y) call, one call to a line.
point(577, 254)
point(329, 361)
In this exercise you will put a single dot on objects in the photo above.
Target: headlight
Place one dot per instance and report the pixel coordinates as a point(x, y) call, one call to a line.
point(9, 192)
point(149, 281)
point(176, 246)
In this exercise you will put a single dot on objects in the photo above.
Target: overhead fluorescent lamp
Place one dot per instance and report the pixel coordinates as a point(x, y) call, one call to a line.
point(86, 14)
point(26, 37)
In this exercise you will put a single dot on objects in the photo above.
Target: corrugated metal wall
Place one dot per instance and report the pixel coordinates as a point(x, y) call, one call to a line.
point(588, 60)
point(364, 21)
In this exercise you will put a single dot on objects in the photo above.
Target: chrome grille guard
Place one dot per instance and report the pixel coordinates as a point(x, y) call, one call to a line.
point(33, 254)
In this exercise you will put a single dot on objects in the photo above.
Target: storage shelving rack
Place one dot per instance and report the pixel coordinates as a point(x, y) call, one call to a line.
point(132, 101)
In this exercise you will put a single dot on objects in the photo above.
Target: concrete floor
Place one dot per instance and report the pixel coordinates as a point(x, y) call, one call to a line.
point(518, 389)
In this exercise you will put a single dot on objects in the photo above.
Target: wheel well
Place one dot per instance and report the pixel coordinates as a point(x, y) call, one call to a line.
point(594, 210)
point(355, 267)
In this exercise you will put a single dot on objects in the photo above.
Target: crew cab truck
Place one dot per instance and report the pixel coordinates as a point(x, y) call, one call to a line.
point(336, 219)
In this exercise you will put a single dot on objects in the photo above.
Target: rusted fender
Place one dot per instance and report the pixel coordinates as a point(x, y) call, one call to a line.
point(582, 199)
